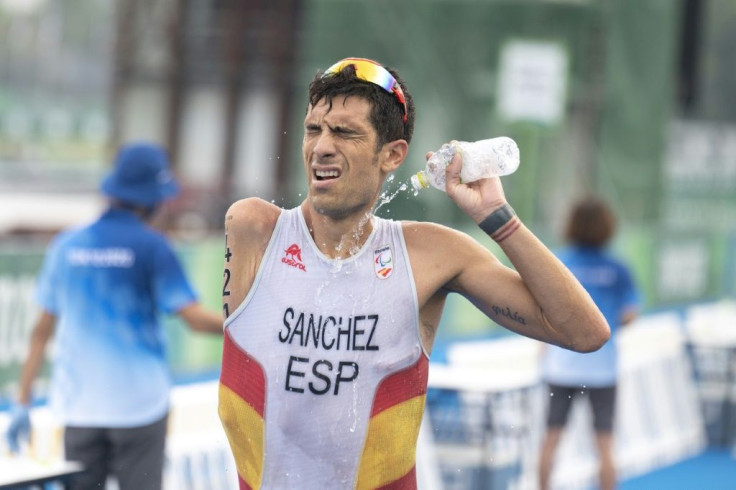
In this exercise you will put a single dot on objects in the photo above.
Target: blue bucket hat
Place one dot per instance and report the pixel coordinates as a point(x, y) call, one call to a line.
point(141, 176)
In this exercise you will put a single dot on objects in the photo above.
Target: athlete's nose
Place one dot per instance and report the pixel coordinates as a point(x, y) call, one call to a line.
point(325, 146)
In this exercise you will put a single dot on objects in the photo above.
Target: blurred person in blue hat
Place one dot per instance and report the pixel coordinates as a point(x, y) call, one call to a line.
point(593, 376)
point(101, 291)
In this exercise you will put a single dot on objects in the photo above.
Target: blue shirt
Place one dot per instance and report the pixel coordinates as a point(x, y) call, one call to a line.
point(610, 285)
point(107, 283)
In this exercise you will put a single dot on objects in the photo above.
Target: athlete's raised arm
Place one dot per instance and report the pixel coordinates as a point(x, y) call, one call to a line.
point(541, 298)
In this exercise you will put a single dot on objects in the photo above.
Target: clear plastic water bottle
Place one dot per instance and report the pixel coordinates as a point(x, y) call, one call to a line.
point(481, 159)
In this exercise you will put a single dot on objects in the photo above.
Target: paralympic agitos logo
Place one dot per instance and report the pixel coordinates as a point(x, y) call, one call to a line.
point(383, 261)
point(293, 257)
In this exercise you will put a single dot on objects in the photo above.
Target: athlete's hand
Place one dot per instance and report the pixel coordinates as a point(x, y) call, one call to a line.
point(478, 199)
point(19, 428)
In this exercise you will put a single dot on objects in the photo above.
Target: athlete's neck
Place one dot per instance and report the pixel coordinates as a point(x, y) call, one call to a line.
point(338, 238)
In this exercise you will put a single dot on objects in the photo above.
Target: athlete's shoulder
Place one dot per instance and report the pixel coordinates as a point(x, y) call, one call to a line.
point(252, 216)
point(422, 226)
point(434, 243)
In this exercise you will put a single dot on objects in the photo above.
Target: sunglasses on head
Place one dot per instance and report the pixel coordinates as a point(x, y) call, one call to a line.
point(372, 72)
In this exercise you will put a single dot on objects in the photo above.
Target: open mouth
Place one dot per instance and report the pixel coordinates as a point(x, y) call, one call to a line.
point(326, 174)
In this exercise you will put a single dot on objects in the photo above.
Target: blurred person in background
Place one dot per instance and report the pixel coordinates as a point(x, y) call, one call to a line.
point(333, 311)
point(570, 375)
point(101, 289)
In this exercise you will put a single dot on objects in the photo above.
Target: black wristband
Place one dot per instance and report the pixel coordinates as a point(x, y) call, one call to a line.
point(497, 219)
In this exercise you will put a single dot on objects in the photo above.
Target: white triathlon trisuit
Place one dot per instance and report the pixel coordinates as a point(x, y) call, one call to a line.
point(324, 376)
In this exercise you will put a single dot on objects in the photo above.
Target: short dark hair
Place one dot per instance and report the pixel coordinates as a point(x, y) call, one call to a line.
point(387, 114)
point(591, 222)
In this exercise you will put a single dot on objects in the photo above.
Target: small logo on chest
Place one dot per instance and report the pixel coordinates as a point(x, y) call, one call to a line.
point(383, 261)
point(293, 257)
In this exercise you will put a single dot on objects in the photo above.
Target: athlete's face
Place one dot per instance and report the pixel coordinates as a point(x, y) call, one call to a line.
point(344, 167)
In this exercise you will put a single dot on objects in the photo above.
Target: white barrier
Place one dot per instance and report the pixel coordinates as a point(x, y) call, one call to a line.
point(711, 331)
point(712, 324)
point(485, 436)
point(197, 452)
point(17, 313)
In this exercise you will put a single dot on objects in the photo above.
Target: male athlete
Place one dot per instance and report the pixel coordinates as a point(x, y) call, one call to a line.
point(332, 311)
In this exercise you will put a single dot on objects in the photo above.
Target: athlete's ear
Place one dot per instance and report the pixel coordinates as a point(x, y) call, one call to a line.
point(393, 155)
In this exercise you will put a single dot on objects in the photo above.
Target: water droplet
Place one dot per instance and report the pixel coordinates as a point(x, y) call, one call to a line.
point(336, 266)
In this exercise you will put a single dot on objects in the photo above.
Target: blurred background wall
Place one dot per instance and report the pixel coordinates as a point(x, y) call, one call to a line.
point(632, 99)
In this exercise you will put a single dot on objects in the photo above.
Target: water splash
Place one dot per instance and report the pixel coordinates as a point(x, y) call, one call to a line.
point(318, 294)
point(352, 241)
point(353, 411)
point(336, 265)
point(337, 262)
point(388, 195)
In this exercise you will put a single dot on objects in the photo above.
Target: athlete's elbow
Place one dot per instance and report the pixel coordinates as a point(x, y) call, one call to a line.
point(594, 338)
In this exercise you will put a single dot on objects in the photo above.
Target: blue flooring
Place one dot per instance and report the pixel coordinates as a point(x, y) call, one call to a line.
point(713, 469)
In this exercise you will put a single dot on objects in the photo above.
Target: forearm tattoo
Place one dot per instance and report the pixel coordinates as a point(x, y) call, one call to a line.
point(501, 311)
